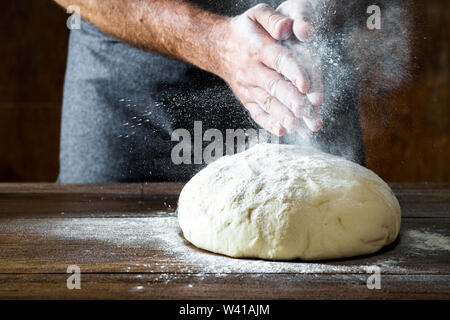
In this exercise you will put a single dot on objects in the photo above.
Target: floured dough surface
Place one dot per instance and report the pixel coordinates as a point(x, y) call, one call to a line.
point(286, 202)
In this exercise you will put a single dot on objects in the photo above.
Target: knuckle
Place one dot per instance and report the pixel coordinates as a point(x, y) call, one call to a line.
point(268, 102)
point(240, 77)
point(273, 19)
point(293, 93)
point(280, 59)
point(258, 117)
point(273, 85)
point(244, 92)
point(264, 50)
point(274, 22)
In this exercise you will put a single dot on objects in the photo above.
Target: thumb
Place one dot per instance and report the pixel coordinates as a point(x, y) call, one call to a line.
point(300, 11)
point(278, 26)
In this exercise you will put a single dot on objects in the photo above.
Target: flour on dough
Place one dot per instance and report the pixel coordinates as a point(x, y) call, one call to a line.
point(286, 202)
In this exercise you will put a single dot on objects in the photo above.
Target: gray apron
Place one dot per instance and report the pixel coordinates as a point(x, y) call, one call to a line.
point(121, 105)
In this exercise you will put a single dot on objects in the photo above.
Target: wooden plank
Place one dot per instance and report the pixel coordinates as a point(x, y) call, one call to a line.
point(126, 240)
point(83, 206)
point(137, 189)
point(166, 188)
point(57, 188)
point(155, 244)
point(170, 187)
point(424, 200)
point(115, 200)
point(419, 186)
point(223, 286)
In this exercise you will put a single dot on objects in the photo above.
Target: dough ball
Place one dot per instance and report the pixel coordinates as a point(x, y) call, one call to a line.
point(286, 202)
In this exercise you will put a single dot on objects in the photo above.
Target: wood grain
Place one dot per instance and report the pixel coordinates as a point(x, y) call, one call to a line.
point(232, 287)
point(126, 240)
point(109, 245)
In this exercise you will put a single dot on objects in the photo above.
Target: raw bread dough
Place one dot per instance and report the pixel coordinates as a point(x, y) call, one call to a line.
point(286, 202)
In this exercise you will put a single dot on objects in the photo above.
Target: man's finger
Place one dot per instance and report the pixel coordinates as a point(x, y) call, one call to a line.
point(311, 65)
point(300, 12)
point(303, 130)
point(281, 60)
point(264, 119)
point(313, 121)
point(279, 87)
point(279, 27)
point(274, 107)
point(315, 94)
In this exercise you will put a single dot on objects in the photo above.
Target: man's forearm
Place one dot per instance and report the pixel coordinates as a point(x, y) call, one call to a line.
point(170, 27)
point(243, 50)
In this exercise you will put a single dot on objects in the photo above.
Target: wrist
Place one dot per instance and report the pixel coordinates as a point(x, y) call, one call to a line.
point(218, 38)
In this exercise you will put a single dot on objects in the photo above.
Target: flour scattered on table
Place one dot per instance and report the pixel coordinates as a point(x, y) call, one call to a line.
point(163, 250)
point(430, 241)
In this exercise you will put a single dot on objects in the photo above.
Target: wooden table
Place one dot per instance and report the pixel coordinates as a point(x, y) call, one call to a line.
point(127, 244)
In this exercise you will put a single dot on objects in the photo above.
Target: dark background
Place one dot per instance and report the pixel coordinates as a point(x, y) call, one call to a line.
point(407, 134)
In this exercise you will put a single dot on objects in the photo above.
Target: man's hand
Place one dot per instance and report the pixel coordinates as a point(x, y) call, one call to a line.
point(300, 12)
point(277, 89)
